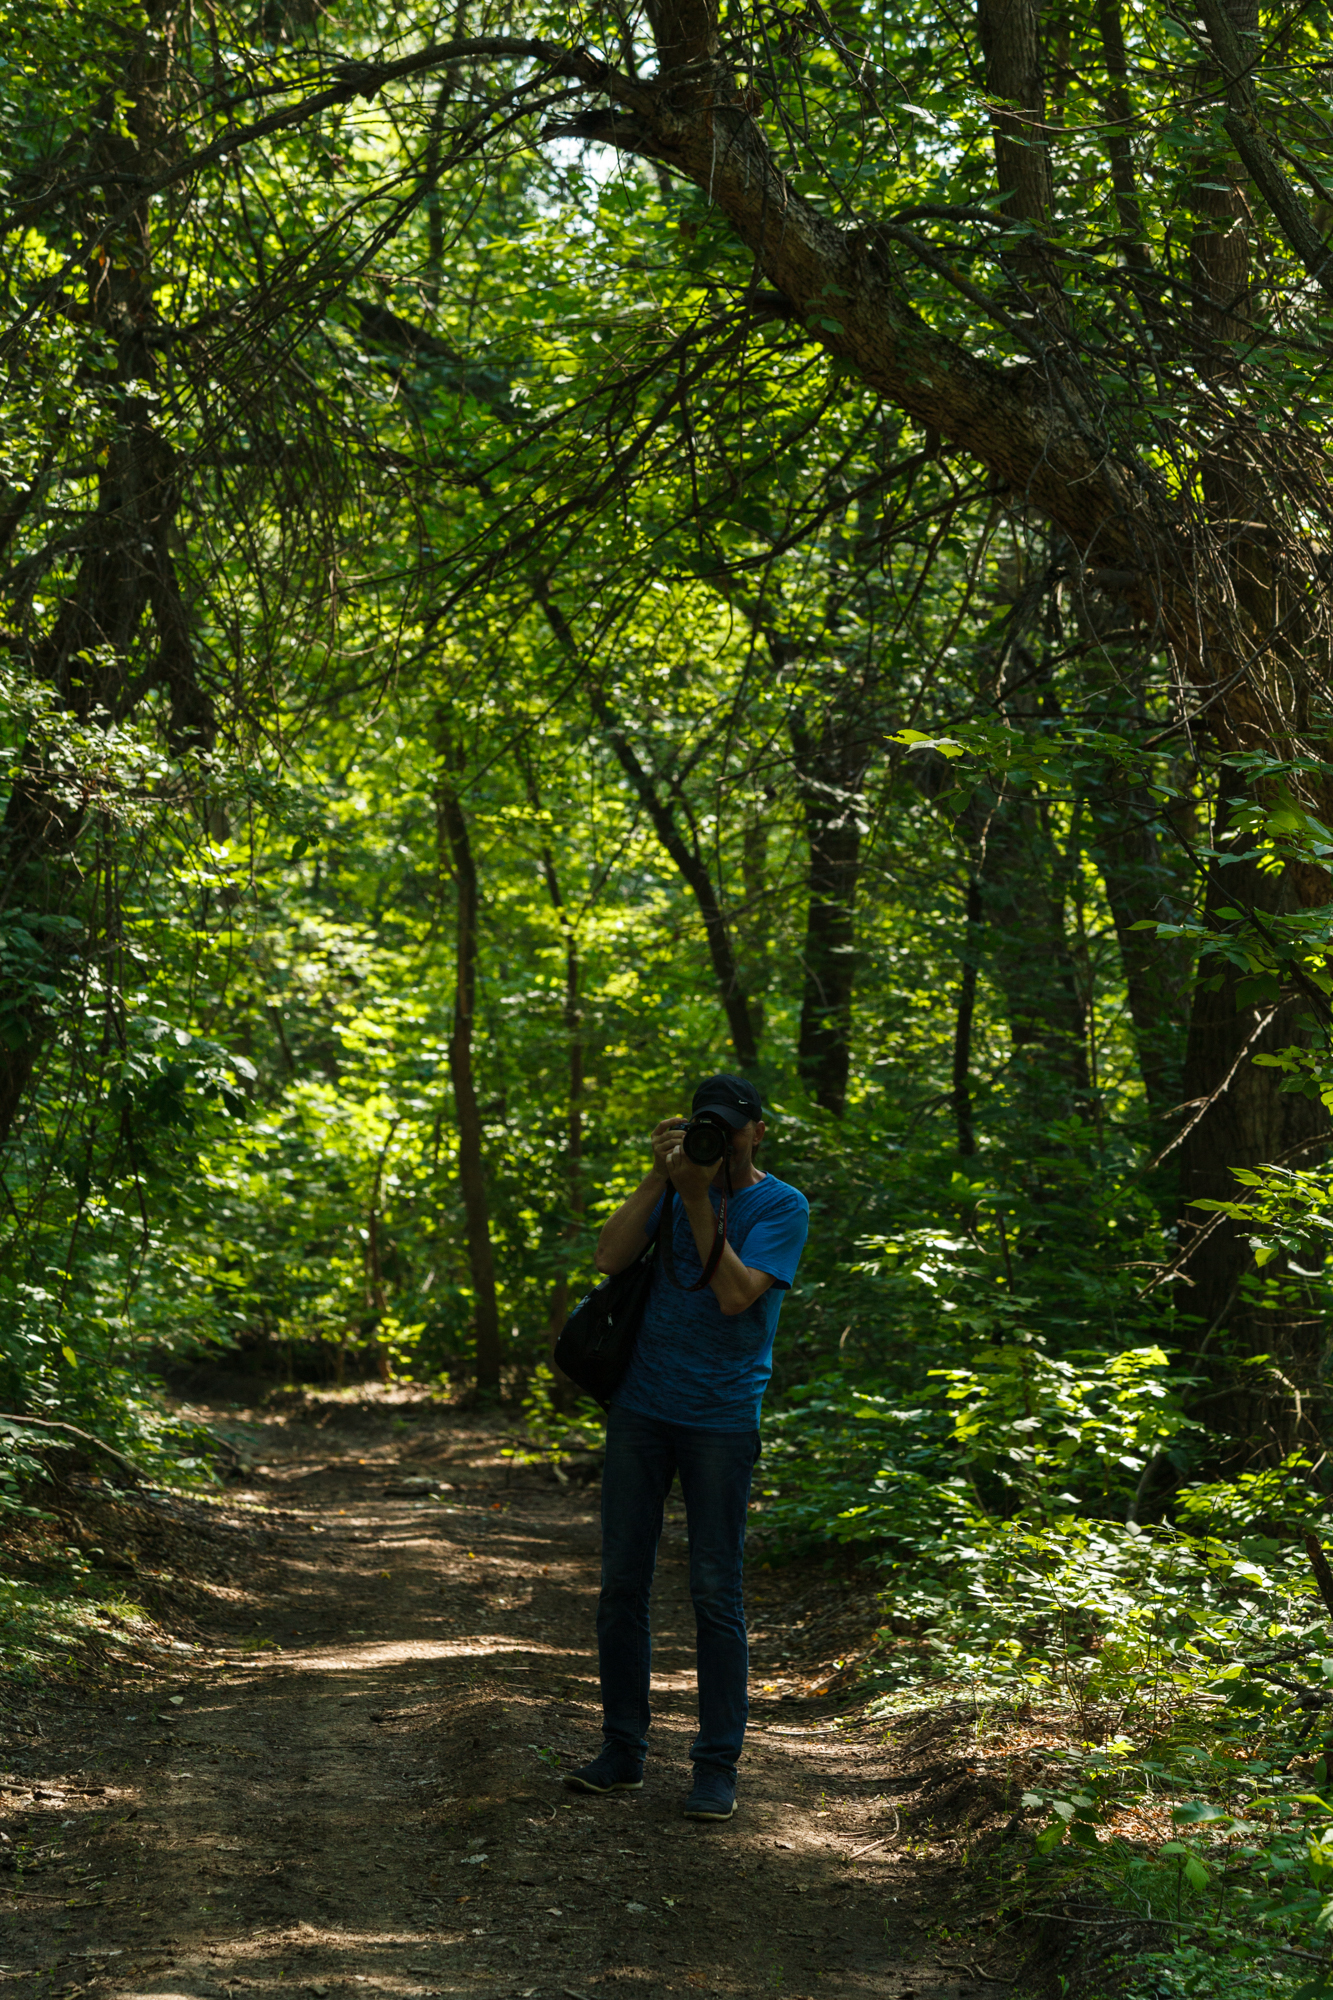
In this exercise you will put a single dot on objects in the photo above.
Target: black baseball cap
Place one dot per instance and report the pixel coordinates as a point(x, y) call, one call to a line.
point(733, 1098)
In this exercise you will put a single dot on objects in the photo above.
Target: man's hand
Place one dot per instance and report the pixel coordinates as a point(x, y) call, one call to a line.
point(670, 1159)
point(625, 1233)
point(666, 1143)
point(734, 1285)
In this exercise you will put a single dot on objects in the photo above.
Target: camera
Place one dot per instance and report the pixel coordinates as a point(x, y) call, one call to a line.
point(705, 1139)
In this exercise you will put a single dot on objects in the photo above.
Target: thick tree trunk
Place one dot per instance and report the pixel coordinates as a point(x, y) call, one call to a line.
point(1236, 1117)
point(830, 770)
point(471, 1152)
point(1010, 36)
point(87, 657)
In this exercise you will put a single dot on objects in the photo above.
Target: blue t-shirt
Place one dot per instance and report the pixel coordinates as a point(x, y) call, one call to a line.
point(693, 1363)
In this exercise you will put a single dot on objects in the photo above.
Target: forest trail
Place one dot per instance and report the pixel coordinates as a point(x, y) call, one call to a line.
point(377, 1807)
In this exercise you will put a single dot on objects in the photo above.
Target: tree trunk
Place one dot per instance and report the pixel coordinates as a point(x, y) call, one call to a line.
point(1237, 1116)
point(830, 770)
point(471, 1155)
point(1022, 903)
point(1220, 243)
point(1141, 887)
point(1010, 36)
point(567, 1391)
point(717, 931)
point(377, 1303)
point(1120, 108)
point(962, 1036)
point(756, 926)
point(126, 571)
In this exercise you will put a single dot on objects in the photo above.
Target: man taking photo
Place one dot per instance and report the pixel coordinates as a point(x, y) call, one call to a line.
point(688, 1406)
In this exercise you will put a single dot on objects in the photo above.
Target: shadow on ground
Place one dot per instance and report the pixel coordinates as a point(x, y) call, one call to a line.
point(351, 1783)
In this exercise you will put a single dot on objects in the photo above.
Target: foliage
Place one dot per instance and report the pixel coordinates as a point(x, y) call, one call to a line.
point(395, 493)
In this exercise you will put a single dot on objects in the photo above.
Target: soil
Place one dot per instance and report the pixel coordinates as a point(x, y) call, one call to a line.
point(332, 1761)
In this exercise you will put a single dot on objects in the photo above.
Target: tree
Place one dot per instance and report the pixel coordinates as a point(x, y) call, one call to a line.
point(456, 841)
point(776, 373)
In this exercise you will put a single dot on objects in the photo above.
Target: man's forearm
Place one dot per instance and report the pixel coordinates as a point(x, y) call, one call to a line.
point(625, 1233)
point(733, 1284)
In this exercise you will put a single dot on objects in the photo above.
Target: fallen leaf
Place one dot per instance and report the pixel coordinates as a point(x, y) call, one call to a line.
point(637, 1909)
point(176, 1700)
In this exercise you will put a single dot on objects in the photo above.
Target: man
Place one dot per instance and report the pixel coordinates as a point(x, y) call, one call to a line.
point(689, 1406)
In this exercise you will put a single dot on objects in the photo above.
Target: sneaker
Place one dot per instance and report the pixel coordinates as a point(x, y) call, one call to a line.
point(613, 1769)
point(714, 1794)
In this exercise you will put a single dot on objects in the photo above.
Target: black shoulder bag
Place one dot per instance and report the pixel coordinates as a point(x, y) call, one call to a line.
point(595, 1343)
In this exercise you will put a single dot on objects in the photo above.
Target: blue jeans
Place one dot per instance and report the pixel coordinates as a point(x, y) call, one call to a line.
point(643, 1455)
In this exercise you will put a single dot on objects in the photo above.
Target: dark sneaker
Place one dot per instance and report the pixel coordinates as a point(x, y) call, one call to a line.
point(611, 1770)
point(714, 1794)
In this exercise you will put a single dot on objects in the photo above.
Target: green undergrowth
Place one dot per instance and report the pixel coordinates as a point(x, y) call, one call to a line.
point(59, 1610)
point(1180, 1666)
point(60, 1624)
point(549, 1433)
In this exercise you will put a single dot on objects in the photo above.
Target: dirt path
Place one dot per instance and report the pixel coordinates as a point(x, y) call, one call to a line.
point(376, 1807)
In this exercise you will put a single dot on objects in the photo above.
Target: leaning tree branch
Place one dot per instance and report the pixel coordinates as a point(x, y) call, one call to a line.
point(83, 1437)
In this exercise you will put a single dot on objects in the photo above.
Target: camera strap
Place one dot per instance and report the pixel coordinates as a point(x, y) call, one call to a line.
point(665, 1228)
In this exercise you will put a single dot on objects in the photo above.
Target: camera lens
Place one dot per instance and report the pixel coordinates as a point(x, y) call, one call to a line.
point(704, 1144)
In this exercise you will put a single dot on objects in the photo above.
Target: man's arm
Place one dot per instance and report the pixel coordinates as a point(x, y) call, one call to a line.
point(734, 1285)
point(625, 1233)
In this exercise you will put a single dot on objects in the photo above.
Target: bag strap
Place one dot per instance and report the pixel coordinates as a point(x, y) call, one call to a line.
point(660, 1240)
point(719, 1236)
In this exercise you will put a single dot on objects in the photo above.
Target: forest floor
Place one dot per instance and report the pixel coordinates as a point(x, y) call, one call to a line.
point(331, 1759)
